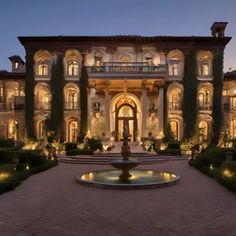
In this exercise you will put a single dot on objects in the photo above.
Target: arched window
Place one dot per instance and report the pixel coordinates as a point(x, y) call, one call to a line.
point(72, 63)
point(204, 99)
point(203, 130)
point(42, 98)
point(175, 63)
point(71, 93)
point(41, 128)
point(125, 111)
point(175, 99)
point(233, 103)
point(174, 127)
point(42, 62)
point(204, 60)
point(13, 130)
point(1, 92)
point(98, 55)
point(72, 68)
point(233, 127)
point(72, 130)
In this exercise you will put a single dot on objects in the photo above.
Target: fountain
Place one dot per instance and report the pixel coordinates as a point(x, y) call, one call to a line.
point(125, 177)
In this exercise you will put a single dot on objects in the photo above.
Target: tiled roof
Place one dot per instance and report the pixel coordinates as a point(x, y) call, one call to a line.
point(121, 39)
point(11, 75)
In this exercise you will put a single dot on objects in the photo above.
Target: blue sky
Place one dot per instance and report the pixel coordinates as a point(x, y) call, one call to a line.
point(112, 17)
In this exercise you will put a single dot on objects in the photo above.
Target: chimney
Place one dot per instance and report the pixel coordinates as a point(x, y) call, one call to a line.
point(18, 65)
point(218, 29)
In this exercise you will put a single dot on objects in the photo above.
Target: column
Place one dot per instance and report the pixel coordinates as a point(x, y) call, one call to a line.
point(107, 109)
point(161, 110)
point(89, 111)
point(144, 109)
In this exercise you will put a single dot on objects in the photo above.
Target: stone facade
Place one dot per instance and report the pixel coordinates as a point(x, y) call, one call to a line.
point(132, 80)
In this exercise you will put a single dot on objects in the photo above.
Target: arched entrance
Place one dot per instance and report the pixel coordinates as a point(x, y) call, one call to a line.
point(126, 114)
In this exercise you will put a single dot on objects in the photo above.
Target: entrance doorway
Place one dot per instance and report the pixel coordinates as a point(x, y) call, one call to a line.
point(126, 114)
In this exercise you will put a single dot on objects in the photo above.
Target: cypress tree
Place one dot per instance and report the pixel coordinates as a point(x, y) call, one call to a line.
point(83, 100)
point(29, 94)
point(190, 94)
point(217, 96)
point(57, 85)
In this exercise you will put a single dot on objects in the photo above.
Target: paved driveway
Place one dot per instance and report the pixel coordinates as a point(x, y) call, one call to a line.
point(52, 203)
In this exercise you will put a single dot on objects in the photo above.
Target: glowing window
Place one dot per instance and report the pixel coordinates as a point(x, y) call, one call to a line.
point(203, 130)
point(16, 65)
point(203, 68)
point(233, 127)
point(125, 111)
point(42, 69)
point(173, 69)
point(72, 68)
point(174, 129)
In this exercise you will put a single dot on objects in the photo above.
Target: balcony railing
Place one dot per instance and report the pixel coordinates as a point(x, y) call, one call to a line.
point(71, 105)
point(42, 106)
point(175, 106)
point(205, 107)
point(129, 67)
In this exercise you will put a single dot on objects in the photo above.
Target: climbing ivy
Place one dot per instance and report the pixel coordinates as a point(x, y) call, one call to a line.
point(190, 84)
point(83, 100)
point(57, 83)
point(217, 96)
point(29, 94)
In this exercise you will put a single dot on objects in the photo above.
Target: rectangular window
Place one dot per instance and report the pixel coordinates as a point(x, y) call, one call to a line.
point(203, 68)
point(43, 69)
point(16, 65)
point(173, 69)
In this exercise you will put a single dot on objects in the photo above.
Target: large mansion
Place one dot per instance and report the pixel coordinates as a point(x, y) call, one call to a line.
point(154, 85)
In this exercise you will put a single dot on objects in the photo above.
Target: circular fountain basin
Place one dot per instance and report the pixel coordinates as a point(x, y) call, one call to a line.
point(139, 179)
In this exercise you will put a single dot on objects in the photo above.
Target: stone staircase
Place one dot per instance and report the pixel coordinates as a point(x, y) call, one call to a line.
point(104, 158)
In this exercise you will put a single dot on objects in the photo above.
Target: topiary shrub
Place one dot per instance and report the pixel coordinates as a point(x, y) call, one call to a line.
point(7, 143)
point(70, 146)
point(76, 152)
point(173, 145)
point(94, 144)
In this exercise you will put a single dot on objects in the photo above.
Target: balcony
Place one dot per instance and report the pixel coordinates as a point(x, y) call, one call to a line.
point(175, 106)
point(71, 105)
point(136, 69)
point(205, 107)
point(42, 105)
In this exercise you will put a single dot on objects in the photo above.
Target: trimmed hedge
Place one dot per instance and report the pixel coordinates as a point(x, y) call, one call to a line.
point(169, 151)
point(70, 146)
point(212, 162)
point(16, 177)
point(7, 143)
point(75, 152)
point(30, 157)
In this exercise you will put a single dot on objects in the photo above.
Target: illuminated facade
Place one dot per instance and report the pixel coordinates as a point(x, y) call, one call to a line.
point(132, 80)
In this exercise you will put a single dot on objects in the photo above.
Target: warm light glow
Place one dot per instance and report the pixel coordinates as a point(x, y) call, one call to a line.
point(227, 173)
point(211, 167)
point(3, 176)
point(150, 172)
point(27, 167)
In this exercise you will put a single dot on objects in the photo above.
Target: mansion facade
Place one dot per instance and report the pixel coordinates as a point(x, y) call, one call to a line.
point(148, 84)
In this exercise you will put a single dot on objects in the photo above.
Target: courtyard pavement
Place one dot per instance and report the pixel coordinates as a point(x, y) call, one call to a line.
point(51, 203)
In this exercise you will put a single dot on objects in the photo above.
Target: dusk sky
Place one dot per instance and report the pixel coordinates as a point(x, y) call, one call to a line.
point(112, 17)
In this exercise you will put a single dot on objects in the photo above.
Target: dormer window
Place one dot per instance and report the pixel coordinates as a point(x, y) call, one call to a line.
point(16, 65)
point(72, 68)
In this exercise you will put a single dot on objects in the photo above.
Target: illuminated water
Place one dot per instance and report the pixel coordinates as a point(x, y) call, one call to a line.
point(140, 178)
